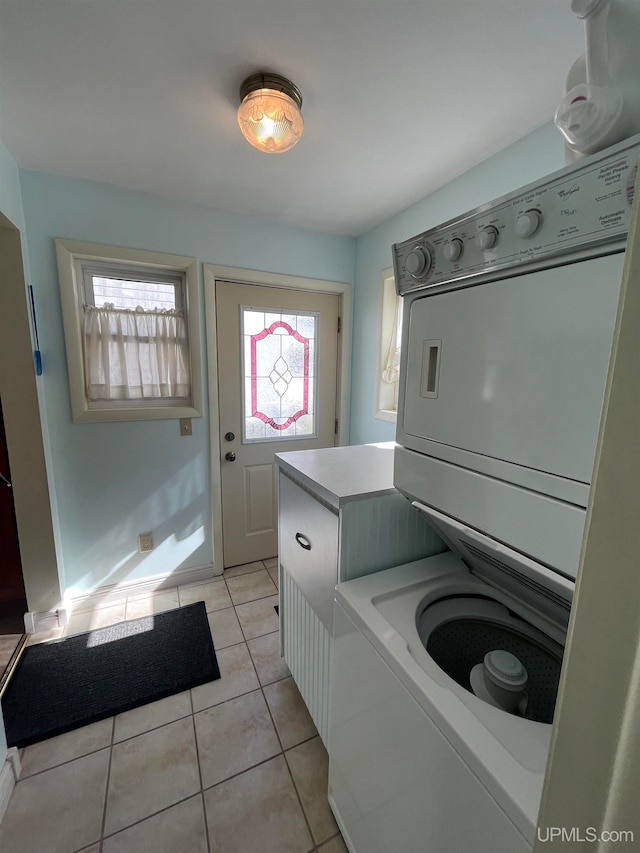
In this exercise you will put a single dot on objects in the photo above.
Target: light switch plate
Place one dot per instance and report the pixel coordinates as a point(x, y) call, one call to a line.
point(185, 426)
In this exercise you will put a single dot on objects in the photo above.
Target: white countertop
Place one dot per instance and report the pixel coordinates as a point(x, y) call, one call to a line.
point(342, 474)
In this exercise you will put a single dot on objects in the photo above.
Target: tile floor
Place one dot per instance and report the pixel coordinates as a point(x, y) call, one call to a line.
point(233, 766)
point(8, 645)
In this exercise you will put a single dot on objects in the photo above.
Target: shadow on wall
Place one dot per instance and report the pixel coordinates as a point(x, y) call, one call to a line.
point(172, 512)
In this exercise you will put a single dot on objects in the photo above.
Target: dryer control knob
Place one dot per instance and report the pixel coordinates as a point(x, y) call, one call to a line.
point(453, 249)
point(528, 223)
point(418, 262)
point(487, 238)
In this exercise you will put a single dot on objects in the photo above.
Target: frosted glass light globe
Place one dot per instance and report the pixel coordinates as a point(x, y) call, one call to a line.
point(270, 118)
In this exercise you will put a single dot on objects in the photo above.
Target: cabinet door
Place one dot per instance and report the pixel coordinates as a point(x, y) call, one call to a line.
point(308, 547)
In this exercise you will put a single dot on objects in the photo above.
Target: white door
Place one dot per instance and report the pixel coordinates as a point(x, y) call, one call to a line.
point(277, 364)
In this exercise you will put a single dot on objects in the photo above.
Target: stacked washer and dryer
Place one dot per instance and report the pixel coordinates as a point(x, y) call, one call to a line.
point(445, 671)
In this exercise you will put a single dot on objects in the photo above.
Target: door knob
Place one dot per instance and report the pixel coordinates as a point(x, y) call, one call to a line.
point(230, 456)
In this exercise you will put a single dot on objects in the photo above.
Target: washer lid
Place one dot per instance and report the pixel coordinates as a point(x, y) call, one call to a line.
point(539, 590)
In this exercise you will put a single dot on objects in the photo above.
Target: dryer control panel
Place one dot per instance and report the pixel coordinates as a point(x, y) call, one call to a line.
point(580, 211)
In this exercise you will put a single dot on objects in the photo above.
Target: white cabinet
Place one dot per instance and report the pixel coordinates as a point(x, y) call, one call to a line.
point(308, 535)
point(339, 518)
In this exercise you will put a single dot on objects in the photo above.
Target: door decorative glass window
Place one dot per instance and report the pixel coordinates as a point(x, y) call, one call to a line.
point(279, 373)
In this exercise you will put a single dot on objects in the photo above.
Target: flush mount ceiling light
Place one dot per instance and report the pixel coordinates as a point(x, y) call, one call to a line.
point(269, 113)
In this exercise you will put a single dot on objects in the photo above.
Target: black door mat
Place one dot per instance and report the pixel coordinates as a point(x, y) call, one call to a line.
point(62, 685)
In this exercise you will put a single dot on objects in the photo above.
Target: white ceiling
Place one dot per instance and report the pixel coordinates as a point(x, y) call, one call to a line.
point(398, 97)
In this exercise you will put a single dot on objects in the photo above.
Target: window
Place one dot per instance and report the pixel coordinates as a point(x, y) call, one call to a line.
point(279, 372)
point(389, 349)
point(132, 332)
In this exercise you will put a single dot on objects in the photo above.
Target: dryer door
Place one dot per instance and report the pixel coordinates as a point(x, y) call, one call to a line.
point(513, 370)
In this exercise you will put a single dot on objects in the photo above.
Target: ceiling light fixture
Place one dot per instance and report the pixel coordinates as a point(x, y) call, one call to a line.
point(269, 113)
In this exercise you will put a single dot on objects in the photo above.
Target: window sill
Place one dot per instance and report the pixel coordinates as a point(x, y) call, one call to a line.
point(149, 413)
point(386, 415)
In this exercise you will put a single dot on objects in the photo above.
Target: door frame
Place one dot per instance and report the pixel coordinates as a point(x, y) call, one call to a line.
point(214, 273)
point(41, 569)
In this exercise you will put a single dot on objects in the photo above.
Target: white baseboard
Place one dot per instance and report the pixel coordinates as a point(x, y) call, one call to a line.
point(116, 592)
point(34, 623)
point(37, 622)
point(9, 775)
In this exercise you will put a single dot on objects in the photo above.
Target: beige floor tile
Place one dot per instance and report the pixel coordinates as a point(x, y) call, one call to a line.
point(225, 628)
point(249, 587)
point(247, 568)
point(290, 714)
point(180, 829)
point(59, 810)
point(151, 716)
point(86, 620)
point(213, 593)
point(66, 747)
point(257, 811)
point(237, 676)
point(258, 617)
point(234, 736)
point(95, 848)
point(150, 772)
point(273, 574)
point(271, 563)
point(8, 645)
point(265, 652)
point(149, 604)
point(45, 636)
point(309, 765)
point(336, 845)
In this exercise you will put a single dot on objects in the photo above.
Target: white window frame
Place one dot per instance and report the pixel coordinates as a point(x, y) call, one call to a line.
point(386, 406)
point(71, 256)
point(87, 270)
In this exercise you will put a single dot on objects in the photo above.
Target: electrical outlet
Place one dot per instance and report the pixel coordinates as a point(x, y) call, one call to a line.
point(145, 542)
point(185, 426)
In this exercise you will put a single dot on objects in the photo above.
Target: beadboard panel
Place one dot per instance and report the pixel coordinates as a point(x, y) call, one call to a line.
point(381, 532)
point(307, 651)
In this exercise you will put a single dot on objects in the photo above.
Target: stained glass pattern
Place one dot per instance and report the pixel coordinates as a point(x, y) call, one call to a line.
point(279, 374)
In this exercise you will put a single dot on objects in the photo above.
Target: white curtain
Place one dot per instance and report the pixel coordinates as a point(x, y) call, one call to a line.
point(391, 370)
point(135, 355)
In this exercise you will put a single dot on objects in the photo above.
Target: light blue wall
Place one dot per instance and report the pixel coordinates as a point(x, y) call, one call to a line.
point(114, 481)
point(534, 156)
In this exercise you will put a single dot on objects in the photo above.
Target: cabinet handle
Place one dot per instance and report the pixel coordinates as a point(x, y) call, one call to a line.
point(303, 542)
